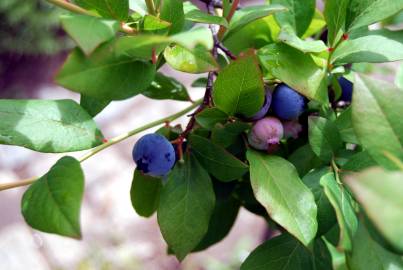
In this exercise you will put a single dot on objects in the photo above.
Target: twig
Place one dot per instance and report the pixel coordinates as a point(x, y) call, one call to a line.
point(231, 13)
point(226, 51)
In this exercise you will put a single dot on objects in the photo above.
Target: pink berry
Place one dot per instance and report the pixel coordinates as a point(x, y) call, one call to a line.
point(292, 129)
point(265, 133)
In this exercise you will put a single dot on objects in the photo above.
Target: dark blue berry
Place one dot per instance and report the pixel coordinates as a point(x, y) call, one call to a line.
point(346, 89)
point(154, 155)
point(287, 103)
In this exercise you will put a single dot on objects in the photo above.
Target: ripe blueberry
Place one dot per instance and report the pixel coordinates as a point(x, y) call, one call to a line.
point(346, 89)
point(154, 155)
point(265, 108)
point(266, 132)
point(287, 103)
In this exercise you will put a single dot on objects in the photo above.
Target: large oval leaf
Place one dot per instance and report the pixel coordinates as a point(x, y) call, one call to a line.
point(52, 204)
point(279, 189)
point(51, 126)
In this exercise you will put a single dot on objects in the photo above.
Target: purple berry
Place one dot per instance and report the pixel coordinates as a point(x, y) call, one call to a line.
point(266, 132)
point(265, 108)
point(154, 155)
point(287, 103)
point(346, 89)
point(292, 129)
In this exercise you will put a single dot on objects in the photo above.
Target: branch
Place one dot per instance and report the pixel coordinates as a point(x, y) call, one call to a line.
point(111, 142)
point(79, 10)
point(231, 13)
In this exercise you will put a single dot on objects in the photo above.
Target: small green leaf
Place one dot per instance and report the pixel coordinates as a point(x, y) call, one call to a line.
point(335, 14)
point(200, 82)
point(50, 126)
point(379, 193)
point(376, 114)
point(345, 126)
point(359, 162)
point(164, 87)
point(296, 69)
point(108, 74)
point(228, 134)
point(326, 215)
point(211, 116)
point(145, 193)
point(284, 252)
point(299, 14)
point(152, 24)
point(324, 137)
point(317, 24)
point(365, 48)
point(342, 204)
point(52, 203)
point(287, 200)
point(172, 11)
point(89, 32)
point(289, 37)
point(365, 12)
point(199, 60)
point(186, 205)
point(216, 160)
point(250, 14)
point(110, 9)
point(199, 16)
point(239, 88)
point(92, 105)
point(369, 255)
point(399, 77)
point(304, 159)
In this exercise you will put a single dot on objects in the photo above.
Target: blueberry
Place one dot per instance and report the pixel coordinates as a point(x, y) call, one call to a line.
point(292, 129)
point(154, 155)
point(266, 132)
point(287, 103)
point(346, 89)
point(265, 108)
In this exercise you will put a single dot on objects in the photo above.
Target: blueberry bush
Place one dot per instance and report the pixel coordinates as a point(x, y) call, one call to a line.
point(288, 128)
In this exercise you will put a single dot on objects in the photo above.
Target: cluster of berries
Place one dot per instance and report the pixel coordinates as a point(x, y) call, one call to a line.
point(276, 120)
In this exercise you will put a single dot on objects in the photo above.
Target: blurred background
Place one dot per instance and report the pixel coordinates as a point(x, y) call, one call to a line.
point(32, 48)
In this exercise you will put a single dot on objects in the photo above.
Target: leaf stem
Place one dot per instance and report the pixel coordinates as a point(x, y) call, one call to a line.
point(231, 13)
point(336, 171)
point(111, 142)
point(150, 7)
point(79, 10)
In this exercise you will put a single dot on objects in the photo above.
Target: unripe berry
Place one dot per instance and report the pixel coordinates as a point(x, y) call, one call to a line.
point(266, 132)
point(154, 155)
point(287, 103)
point(346, 89)
point(292, 129)
point(265, 108)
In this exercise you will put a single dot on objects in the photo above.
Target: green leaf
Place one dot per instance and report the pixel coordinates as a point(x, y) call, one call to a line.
point(186, 205)
point(107, 74)
point(345, 126)
point(92, 105)
point(145, 193)
point(287, 200)
point(172, 11)
point(365, 12)
point(326, 215)
point(223, 218)
point(376, 114)
point(164, 87)
point(299, 14)
point(366, 49)
point(111, 9)
point(359, 162)
point(239, 88)
point(250, 14)
point(199, 16)
point(50, 126)
point(152, 24)
point(399, 77)
point(289, 37)
point(216, 160)
point(52, 203)
point(304, 159)
point(367, 254)
point(211, 116)
point(89, 32)
point(228, 134)
point(317, 24)
point(335, 14)
point(285, 253)
point(342, 204)
point(199, 60)
point(296, 69)
point(379, 193)
point(324, 137)
point(200, 82)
